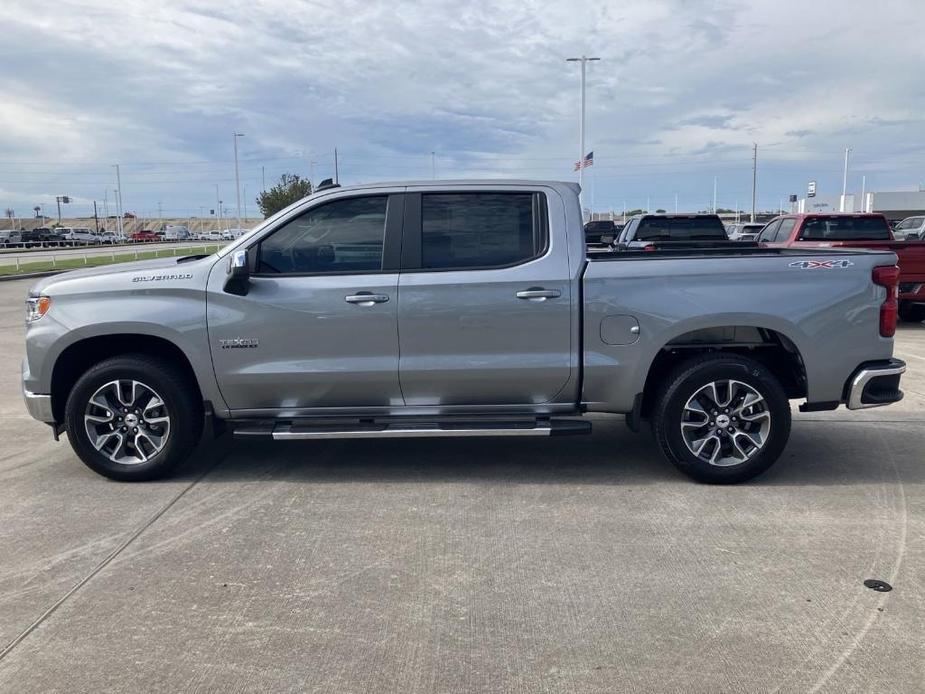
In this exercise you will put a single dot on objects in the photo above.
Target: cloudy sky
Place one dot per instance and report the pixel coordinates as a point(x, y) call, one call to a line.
point(682, 91)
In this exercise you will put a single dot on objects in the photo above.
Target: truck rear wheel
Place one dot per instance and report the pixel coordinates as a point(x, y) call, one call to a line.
point(722, 418)
point(133, 417)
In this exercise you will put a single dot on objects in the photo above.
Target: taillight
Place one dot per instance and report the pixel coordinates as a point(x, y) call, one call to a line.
point(888, 276)
point(650, 247)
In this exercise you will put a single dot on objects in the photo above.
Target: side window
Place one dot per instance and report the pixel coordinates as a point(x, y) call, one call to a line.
point(784, 230)
point(769, 233)
point(479, 230)
point(342, 236)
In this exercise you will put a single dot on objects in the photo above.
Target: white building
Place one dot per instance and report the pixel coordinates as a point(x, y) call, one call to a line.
point(894, 204)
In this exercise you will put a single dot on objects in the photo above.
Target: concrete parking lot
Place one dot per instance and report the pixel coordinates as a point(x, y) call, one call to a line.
point(580, 564)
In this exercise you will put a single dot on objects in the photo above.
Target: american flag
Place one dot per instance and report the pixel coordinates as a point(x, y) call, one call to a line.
point(586, 162)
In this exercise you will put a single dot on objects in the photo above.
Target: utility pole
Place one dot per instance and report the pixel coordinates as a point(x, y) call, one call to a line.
point(96, 219)
point(714, 195)
point(160, 216)
point(237, 178)
point(119, 201)
point(581, 118)
point(844, 182)
point(263, 179)
point(754, 177)
point(218, 200)
point(676, 203)
point(433, 165)
point(864, 194)
point(336, 172)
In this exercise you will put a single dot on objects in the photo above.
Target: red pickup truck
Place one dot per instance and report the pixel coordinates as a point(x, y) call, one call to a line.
point(862, 230)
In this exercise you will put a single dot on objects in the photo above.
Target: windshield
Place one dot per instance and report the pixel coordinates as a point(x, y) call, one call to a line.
point(846, 228)
point(687, 228)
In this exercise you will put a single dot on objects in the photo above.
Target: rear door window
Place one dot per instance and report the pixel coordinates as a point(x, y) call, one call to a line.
point(479, 230)
point(845, 228)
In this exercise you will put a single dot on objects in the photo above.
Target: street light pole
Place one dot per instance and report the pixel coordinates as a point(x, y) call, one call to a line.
point(119, 200)
point(754, 177)
point(581, 118)
point(714, 195)
point(237, 178)
point(844, 182)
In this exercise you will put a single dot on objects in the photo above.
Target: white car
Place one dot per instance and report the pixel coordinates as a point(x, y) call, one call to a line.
point(81, 236)
point(910, 229)
point(176, 232)
point(212, 236)
point(10, 237)
point(112, 237)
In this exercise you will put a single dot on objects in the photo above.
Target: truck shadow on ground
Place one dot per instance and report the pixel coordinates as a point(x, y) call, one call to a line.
point(819, 453)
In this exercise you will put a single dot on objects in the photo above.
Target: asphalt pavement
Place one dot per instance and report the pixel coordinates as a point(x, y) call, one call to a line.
point(582, 564)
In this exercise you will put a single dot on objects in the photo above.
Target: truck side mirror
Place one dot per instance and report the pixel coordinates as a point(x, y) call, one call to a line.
point(238, 280)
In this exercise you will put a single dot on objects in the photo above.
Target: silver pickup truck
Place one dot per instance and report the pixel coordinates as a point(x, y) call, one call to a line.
point(467, 308)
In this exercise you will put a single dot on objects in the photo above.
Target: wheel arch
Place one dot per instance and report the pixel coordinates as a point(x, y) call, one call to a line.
point(772, 347)
point(75, 359)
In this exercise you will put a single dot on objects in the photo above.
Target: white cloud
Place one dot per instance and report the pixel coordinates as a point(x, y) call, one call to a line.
point(683, 90)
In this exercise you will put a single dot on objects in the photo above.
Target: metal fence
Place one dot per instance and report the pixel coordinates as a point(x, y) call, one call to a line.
point(49, 260)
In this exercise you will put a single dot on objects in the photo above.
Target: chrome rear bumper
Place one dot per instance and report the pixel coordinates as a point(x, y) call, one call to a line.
point(875, 384)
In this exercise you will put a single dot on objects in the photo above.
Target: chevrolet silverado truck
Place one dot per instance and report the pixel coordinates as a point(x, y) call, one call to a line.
point(446, 309)
point(856, 230)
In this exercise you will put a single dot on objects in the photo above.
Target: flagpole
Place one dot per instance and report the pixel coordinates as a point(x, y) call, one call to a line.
point(581, 122)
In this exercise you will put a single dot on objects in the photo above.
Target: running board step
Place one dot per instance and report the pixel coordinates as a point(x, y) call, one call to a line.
point(294, 431)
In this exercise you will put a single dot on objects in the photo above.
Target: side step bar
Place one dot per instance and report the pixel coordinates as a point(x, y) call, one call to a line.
point(296, 431)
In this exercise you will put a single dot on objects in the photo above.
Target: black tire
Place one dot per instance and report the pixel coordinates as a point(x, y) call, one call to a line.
point(688, 379)
point(181, 401)
point(910, 312)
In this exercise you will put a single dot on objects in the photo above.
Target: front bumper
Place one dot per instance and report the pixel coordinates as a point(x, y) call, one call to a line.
point(875, 384)
point(39, 406)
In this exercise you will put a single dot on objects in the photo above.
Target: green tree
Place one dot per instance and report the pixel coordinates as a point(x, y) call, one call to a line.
point(291, 187)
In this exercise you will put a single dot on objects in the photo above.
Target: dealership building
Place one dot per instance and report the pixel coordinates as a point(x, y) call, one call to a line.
point(894, 204)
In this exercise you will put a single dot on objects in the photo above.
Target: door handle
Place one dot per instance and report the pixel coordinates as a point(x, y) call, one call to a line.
point(538, 294)
point(366, 298)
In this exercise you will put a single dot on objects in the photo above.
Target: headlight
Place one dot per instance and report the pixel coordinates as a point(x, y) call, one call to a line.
point(36, 307)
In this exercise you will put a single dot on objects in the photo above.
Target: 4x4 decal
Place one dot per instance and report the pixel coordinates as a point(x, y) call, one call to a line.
point(820, 264)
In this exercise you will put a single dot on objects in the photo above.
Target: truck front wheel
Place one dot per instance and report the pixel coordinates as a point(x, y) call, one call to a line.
point(722, 418)
point(133, 417)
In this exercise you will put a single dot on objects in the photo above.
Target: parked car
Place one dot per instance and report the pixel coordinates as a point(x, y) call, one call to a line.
point(232, 234)
point(600, 232)
point(176, 232)
point(666, 229)
point(744, 231)
point(212, 236)
point(856, 230)
point(910, 229)
point(10, 238)
point(81, 236)
point(438, 309)
point(144, 236)
point(41, 236)
point(112, 237)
